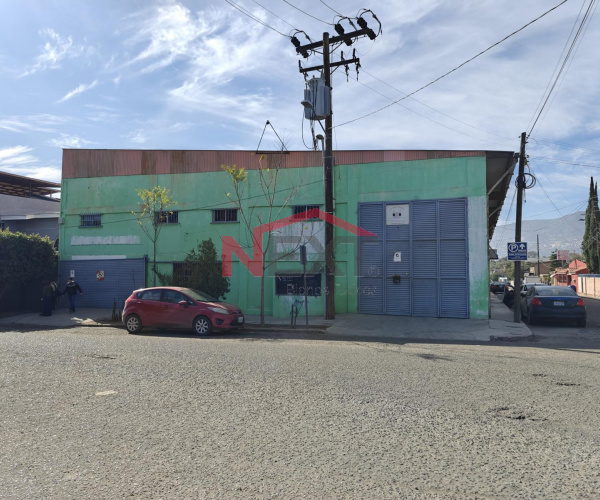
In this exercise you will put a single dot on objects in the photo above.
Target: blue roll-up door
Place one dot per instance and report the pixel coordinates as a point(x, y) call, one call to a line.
point(429, 277)
point(425, 285)
point(397, 271)
point(453, 259)
point(371, 272)
point(120, 278)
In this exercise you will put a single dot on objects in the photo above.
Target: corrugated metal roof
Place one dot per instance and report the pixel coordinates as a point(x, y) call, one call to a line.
point(26, 187)
point(111, 162)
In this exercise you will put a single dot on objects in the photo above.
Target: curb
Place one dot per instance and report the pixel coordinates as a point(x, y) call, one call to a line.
point(528, 338)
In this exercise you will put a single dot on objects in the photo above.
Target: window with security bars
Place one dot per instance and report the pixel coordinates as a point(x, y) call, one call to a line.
point(90, 220)
point(182, 271)
point(2, 226)
point(225, 215)
point(297, 210)
point(170, 217)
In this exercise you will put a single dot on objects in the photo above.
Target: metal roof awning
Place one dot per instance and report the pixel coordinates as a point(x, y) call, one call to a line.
point(500, 166)
point(27, 187)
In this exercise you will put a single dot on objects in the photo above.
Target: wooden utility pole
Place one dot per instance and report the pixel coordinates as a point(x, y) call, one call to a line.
point(520, 188)
point(328, 161)
point(538, 253)
point(328, 166)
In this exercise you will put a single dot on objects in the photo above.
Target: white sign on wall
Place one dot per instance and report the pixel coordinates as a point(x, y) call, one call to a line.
point(397, 256)
point(396, 215)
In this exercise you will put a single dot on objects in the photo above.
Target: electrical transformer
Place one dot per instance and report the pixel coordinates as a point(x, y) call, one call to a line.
point(317, 100)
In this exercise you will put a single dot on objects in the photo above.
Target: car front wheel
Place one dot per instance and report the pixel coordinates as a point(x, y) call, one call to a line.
point(133, 323)
point(202, 326)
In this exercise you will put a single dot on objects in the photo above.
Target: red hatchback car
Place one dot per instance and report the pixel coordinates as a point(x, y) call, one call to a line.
point(174, 307)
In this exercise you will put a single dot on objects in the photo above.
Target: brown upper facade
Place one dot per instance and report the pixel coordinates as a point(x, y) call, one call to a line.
point(78, 163)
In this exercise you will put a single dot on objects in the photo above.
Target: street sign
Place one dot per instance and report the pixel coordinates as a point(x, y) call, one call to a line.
point(517, 250)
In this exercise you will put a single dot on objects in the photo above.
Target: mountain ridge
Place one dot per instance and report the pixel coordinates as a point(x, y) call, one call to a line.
point(561, 233)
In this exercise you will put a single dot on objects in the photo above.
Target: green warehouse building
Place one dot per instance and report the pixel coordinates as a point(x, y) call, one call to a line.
point(430, 216)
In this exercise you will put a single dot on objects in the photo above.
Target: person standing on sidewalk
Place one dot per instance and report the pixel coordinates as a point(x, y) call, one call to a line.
point(71, 289)
point(55, 294)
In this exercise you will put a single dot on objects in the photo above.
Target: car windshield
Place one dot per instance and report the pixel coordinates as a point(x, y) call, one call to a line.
point(555, 291)
point(201, 296)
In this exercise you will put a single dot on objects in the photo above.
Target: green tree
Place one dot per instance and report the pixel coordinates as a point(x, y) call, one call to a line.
point(266, 209)
point(26, 260)
point(154, 207)
point(554, 262)
point(591, 233)
point(201, 270)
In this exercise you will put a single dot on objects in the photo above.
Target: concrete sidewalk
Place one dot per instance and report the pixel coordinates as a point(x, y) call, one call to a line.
point(499, 327)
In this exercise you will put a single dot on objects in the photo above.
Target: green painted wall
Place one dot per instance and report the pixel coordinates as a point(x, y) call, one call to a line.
point(198, 194)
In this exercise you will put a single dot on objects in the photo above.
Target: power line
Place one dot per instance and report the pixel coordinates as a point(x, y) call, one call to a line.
point(309, 15)
point(434, 109)
point(457, 67)
point(564, 63)
point(557, 64)
point(549, 199)
point(554, 160)
point(273, 13)
point(565, 145)
point(578, 202)
point(254, 18)
point(424, 116)
point(331, 8)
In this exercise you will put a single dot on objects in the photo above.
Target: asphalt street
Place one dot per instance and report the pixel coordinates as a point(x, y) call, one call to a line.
point(97, 413)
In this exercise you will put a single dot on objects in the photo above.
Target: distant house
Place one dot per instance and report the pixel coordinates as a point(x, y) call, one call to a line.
point(541, 269)
point(26, 205)
point(565, 276)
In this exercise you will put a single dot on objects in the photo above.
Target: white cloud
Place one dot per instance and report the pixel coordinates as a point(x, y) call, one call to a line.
point(180, 126)
point(51, 174)
point(137, 137)
point(168, 32)
point(78, 90)
point(33, 123)
point(55, 49)
point(16, 157)
point(69, 142)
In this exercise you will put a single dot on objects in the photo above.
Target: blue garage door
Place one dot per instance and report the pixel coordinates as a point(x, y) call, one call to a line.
point(104, 281)
point(419, 267)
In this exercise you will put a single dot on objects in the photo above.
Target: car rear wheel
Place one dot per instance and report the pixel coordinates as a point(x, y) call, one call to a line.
point(133, 323)
point(530, 319)
point(202, 326)
point(581, 322)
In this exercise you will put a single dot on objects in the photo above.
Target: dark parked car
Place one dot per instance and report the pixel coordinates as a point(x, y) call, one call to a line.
point(174, 307)
point(526, 286)
point(497, 287)
point(552, 302)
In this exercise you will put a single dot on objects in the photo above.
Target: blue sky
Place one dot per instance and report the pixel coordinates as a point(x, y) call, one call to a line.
point(202, 75)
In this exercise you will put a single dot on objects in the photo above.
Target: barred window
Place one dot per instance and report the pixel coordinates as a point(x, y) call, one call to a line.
point(299, 209)
point(90, 220)
point(170, 217)
point(225, 215)
point(181, 272)
point(2, 226)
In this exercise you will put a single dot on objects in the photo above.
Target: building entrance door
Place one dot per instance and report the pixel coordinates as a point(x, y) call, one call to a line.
point(419, 265)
